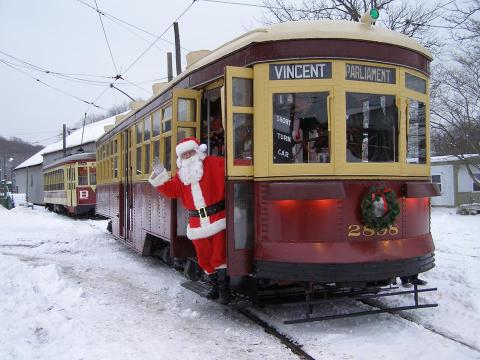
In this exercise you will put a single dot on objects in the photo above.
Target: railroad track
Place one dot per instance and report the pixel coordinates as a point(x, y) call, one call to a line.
point(378, 305)
point(284, 339)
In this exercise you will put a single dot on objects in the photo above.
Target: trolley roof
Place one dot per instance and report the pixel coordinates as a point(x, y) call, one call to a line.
point(314, 29)
point(72, 158)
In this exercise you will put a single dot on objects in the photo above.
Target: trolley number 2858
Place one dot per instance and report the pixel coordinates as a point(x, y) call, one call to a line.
point(365, 230)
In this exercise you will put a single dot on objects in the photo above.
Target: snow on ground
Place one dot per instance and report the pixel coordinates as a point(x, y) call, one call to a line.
point(70, 291)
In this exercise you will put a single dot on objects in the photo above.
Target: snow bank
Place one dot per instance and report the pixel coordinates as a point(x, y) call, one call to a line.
point(36, 303)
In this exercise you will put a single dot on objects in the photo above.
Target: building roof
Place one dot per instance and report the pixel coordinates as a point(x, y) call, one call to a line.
point(449, 158)
point(92, 133)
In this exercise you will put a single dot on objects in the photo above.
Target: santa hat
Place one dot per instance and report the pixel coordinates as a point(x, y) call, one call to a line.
point(189, 143)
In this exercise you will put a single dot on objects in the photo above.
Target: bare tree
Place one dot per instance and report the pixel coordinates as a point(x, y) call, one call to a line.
point(92, 118)
point(455, 92)
point(410, 19)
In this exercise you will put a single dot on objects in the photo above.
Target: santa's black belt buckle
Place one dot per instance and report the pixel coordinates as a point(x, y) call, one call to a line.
point(202, 212)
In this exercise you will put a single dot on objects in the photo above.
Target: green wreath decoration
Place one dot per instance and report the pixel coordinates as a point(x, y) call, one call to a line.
point(371, 202)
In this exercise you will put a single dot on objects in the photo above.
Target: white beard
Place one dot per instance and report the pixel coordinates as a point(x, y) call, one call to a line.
point(191, 170)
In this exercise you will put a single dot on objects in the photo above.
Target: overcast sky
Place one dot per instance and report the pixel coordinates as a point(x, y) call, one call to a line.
point(66, 36)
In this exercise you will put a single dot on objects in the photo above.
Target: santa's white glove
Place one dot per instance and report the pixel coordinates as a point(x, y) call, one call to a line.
point(157, 167)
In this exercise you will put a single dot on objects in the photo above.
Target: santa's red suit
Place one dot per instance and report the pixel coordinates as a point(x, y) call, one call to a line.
point(204, 194)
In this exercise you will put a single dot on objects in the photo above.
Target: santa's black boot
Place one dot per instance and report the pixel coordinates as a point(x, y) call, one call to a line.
point(224, 286)
point(213, 293)
point(417, 281)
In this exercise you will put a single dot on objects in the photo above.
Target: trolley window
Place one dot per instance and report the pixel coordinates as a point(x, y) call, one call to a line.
point(243, 137)
point(147, 128)
point(187, 110)
point(167, 119)
point(156, 124)
point(415, 83)
point(242, 92)
point(93, 175)
point(82, 176)
point(416, 133)
point(146, 159)
point(372, 128)
point(300, 128)
point(167, 145)
point(139, 160)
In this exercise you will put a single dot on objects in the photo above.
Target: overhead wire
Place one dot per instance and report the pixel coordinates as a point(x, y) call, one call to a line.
point(26, 65)
point(106, 39)
point(104, 13)
point(148, 48)
point(39, 68)
point(52, 87)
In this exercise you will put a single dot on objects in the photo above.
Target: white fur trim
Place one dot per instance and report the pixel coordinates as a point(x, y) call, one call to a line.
point(160, 179)
point(206, 231)
point(186, 146)
point(197, 195)
point(199, 201)
point(223, 266)
point(202, 147)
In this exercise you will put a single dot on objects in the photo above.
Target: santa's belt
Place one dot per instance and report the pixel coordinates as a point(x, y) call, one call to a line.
point(208, 210)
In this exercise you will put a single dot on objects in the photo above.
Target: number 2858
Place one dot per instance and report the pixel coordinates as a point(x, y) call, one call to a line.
point(365, 230)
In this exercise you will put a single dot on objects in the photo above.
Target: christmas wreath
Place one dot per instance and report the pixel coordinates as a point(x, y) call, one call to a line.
point(379, 207)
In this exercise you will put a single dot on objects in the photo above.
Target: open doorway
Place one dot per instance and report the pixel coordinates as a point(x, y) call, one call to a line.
point(212, 130)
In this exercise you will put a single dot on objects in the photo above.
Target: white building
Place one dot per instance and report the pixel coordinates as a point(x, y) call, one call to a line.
point(456, 185)
point(28, 174)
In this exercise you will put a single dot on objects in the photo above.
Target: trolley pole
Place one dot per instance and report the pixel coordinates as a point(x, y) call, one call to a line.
point(178, 57)
point(169, 66)
point(64, 138)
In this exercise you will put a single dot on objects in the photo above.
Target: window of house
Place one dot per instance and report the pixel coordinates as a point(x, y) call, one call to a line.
point(300, 128)
point(476, 187)
point(372, 128)
point(437, 179)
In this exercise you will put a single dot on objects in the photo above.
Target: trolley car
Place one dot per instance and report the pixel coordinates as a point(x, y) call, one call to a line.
point(70, 183)
point(313, 118)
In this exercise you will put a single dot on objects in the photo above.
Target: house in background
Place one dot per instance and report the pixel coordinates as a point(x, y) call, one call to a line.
point(456, 185)
point(29, 177)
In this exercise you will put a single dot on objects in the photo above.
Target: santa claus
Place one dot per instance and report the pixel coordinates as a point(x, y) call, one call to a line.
point(200, 184)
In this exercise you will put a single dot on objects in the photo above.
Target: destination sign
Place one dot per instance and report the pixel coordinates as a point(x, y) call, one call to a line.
point(374, 74)
point(301, 71)
point(282, 140)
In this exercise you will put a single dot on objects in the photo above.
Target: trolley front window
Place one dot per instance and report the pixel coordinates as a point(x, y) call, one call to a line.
point(372, 128)
point(300, 128)
point(82, 176)
point(416, 141)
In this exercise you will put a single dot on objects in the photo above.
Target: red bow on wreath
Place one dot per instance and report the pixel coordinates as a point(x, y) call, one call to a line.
point(382, 193)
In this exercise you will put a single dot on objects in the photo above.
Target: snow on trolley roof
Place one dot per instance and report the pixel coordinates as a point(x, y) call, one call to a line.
point(92, 133)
